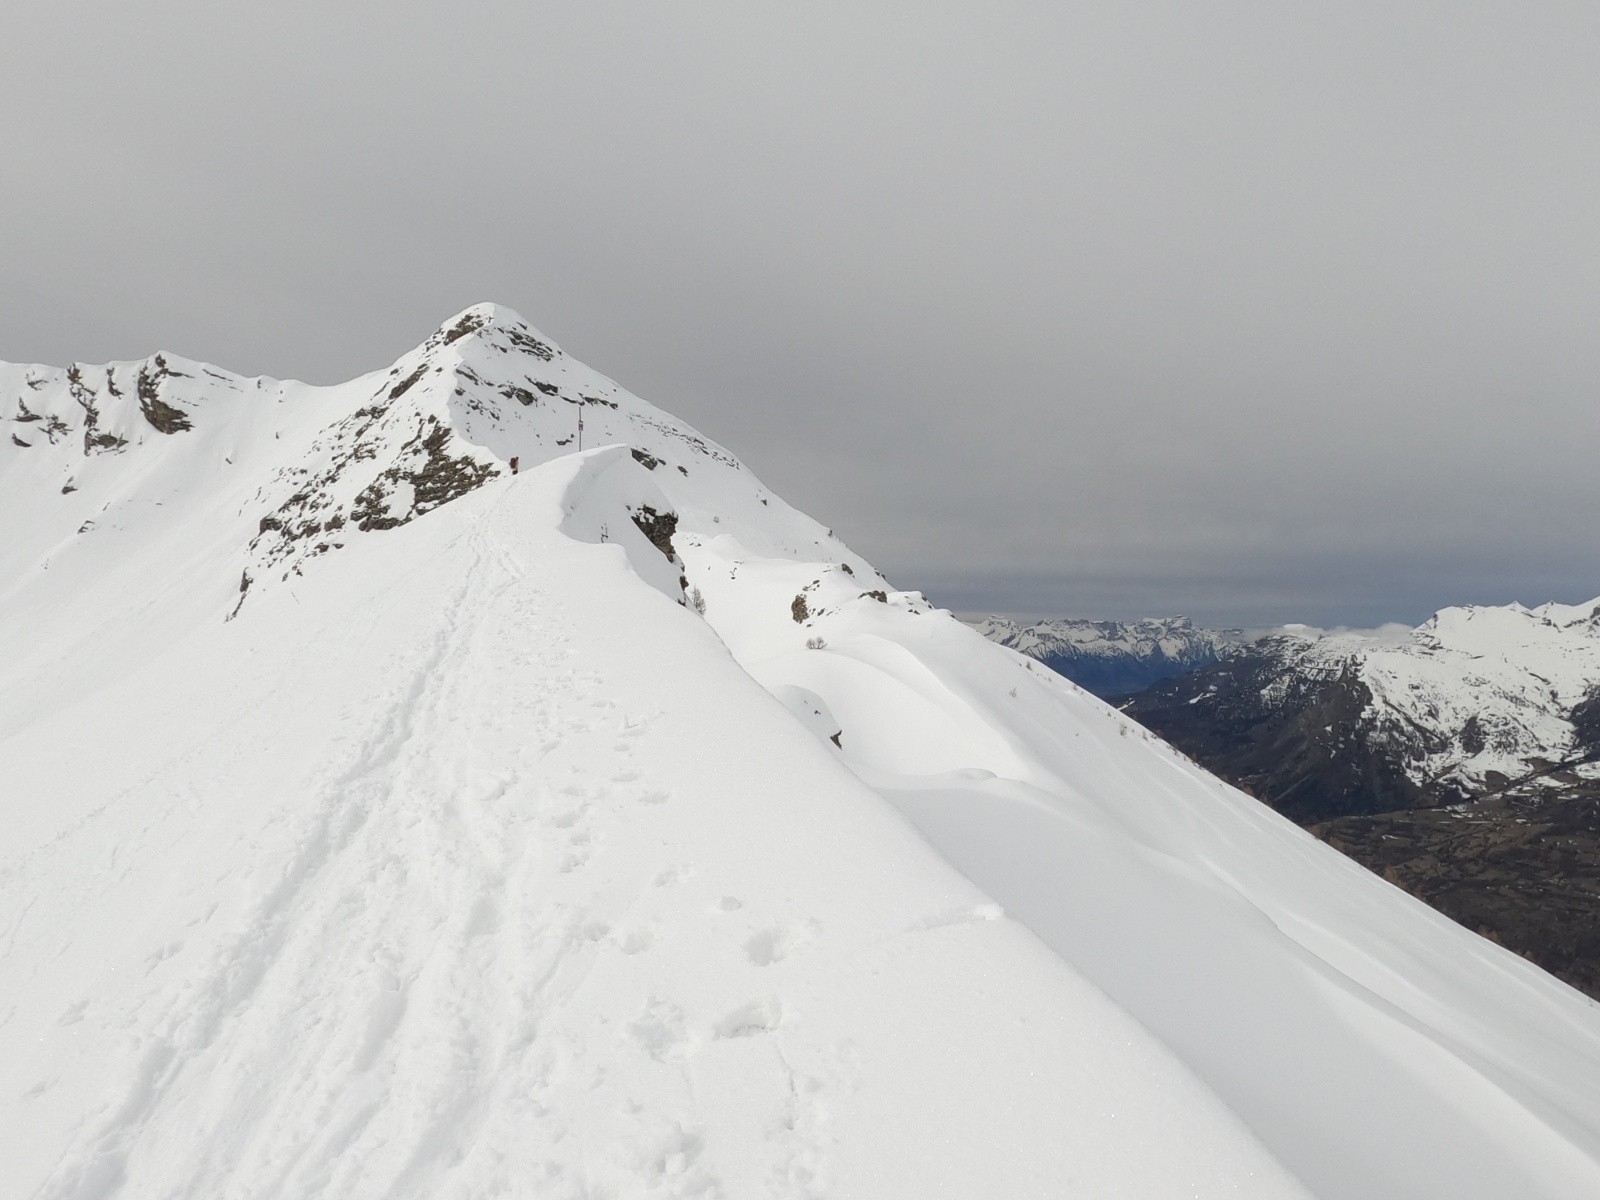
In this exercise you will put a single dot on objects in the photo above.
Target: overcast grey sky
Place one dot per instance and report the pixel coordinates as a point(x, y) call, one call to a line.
point(1254, 311)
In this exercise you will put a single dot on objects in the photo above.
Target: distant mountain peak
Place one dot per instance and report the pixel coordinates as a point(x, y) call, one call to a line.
point(1475, 694)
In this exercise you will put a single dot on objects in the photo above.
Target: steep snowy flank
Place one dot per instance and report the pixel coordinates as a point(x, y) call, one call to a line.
point(1114, 658)
point(1461, 760)
point(382, 823)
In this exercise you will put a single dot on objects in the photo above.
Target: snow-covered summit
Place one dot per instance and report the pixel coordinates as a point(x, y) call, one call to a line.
point(312, 467)
point(610, 828)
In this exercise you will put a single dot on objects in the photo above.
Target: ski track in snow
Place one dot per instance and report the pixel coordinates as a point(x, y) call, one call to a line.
point(492, 932)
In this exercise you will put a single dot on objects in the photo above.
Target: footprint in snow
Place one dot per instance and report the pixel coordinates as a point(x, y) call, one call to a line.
point(751, 1020)
point(659, 1031)
point(637, 942)
point(675, 1160)
point(482, 918)
point(676, 873)
point(574, 860)
point(775, 943)
point(161, 955)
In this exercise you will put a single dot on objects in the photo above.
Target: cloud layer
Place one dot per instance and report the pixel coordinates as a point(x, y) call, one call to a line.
point(1254, 311)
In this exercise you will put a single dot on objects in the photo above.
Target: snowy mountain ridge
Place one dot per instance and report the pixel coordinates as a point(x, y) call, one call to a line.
point(439, 423)
point(611, 828)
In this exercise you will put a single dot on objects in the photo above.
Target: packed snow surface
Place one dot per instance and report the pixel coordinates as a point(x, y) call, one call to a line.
point(382, 823)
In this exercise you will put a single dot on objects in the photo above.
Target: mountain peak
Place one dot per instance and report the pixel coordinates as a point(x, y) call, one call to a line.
point(488, 319)
point(307, 468)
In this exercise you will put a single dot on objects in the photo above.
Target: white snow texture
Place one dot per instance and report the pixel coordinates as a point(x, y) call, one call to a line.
point(379, 823)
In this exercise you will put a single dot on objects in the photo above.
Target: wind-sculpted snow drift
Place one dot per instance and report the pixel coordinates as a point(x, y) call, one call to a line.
point(380, 823)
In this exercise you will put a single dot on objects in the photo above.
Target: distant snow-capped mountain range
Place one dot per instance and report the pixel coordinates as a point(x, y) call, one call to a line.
point(1113, 658)
point(1473, 699)
point(399, 801)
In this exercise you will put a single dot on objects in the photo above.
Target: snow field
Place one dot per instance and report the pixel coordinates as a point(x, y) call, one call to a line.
point(524, 910)
point(1327, 1008)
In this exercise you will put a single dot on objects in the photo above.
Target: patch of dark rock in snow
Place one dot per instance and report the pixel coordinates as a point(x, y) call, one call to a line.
point(659, 528)
point(438, 479)
point(163, 416)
